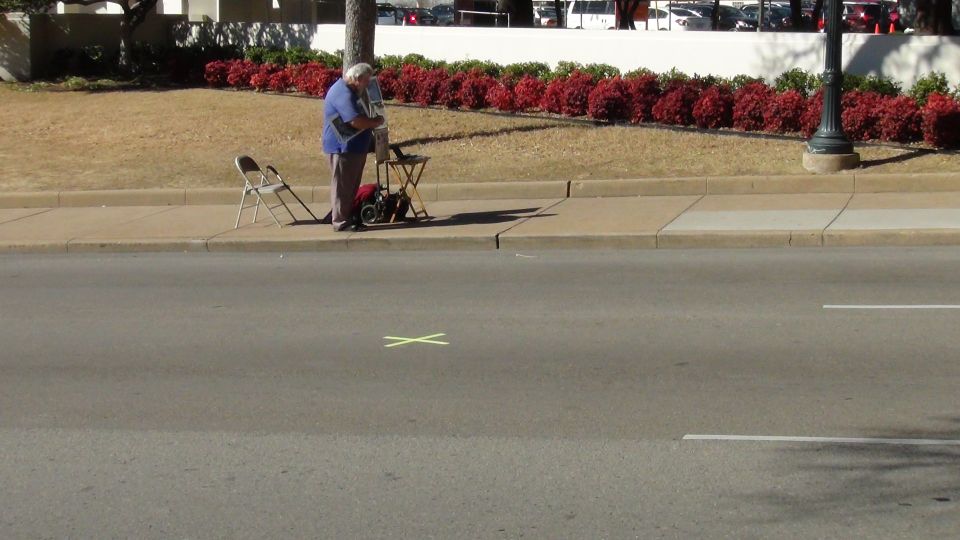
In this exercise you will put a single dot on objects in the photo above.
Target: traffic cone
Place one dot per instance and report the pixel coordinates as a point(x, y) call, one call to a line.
point(876, 29)
point(892, 29)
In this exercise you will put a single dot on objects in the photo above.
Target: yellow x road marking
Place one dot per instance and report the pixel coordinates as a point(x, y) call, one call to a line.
point(424, 339)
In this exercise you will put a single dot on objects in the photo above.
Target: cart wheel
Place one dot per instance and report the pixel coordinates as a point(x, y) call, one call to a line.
point(369, 214)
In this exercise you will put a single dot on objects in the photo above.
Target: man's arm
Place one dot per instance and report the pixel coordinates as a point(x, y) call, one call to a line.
point(362, 122)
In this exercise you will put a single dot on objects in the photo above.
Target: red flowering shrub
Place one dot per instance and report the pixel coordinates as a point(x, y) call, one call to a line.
point(388, 78)
point(260, 80)
point(748, 104)
point(215, 73)
point(714, 109)
point(899, 119)
point(281, 80)
point(576, 93)
point(500, 96)
point(431, 80)
point(328, 78)
point(861, 115)
point(675, 107)
point(810, 119)
point(609, 100)
point(474, 89)
point(940, 121)
point(783, 111)
point(239, 73)
point(449, 94)
point(553, 96)
point(306, 78)
point(528, 93)
point(409, 83)
point(644, 94)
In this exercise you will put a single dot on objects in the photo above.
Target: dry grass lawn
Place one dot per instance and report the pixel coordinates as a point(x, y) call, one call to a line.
point(176, 138)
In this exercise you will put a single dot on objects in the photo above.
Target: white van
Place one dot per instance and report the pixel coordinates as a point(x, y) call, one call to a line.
point(592, 14)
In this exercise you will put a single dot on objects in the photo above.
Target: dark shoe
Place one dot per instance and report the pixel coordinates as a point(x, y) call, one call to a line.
point(359, 227)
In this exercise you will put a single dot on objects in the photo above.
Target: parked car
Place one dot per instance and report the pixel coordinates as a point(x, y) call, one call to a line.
point(775, 17)
point(893, 9)
point(417, 17)
point(387, 14)
point(677, 19)
point(445, 14)
point(592, 14)
point(544, 15)
point(863, 17)
point(731, 18)
point(866, 17)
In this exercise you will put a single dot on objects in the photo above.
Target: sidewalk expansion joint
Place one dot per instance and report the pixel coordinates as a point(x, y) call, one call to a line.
point(836, 217)
point(676, 217)
point(496, 237)
point(14, 220)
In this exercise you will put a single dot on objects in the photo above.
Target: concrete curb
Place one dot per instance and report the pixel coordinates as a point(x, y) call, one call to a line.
point(892, 238)
point(548, 189)
point(578, 241)
point(493, 242)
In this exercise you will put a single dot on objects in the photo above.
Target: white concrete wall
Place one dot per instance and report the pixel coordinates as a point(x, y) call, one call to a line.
point(903, 58)
point(172, 7)
point(100, 7)
point(198, 9)
point(15, 56)
point(164, 7)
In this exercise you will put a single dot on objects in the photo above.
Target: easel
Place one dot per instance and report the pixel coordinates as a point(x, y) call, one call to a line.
point(408, 170)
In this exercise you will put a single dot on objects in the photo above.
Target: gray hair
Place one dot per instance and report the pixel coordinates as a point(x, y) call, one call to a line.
point(357, 71)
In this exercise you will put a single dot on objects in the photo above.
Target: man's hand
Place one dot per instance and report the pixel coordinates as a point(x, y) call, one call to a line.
point(363, 122)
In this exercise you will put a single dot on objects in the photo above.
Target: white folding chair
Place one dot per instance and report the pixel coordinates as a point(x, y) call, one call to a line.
point(261, 184)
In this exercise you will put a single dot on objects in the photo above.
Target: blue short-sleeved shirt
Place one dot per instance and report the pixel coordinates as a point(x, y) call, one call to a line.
point(345, 102)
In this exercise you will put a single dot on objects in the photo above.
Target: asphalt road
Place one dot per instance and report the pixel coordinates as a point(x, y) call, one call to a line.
point(253, 396)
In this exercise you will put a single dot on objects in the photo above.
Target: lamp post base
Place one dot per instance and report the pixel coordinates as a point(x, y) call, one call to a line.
point(830, 163)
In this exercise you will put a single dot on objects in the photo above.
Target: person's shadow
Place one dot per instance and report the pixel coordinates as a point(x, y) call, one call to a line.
point(463, 218)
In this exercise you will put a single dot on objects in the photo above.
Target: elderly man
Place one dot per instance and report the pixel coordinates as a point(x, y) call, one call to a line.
point(347, 156)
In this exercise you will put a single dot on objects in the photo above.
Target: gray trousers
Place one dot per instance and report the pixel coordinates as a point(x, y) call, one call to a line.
point(347, 171)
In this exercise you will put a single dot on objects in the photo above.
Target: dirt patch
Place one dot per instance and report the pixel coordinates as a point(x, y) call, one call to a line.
point(188, 138)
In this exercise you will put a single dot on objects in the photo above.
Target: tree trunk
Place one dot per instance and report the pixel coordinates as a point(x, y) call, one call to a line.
point(361, 22)
point(133, 16)
point(561, 14)
point(125, 62)
point(943, 18)
point(521, 12)
point(796, 15)
point(923, 23)
point(817, 13)
point(625, 12)
point(934, 17)
point(622, 14)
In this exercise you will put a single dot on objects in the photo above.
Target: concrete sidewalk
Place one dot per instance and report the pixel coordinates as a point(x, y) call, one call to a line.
point(682, 221)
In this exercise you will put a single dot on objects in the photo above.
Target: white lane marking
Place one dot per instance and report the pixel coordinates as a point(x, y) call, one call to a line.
point(891, 306)
point(526, 256)
point(838, 440)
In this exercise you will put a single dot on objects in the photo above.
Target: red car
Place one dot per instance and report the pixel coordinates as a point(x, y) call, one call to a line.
point(866, 17)
point(418, 17)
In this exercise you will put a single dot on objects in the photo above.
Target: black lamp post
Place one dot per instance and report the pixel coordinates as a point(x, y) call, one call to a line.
point(829, 141)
